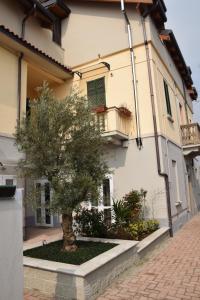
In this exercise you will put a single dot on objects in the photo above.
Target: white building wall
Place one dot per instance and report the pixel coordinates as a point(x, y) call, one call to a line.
point(135, 169)
point(11, 249)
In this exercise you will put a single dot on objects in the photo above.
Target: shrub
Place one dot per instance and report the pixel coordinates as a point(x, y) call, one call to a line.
point(128, 209)
point(133, 201)
point(121, 213)
point(142, 228)
point(153, 225)
point(90, 223)
point(119, 232)
point(128, 225)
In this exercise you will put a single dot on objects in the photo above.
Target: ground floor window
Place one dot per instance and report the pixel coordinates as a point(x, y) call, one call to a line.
point(44, 195)
point(9, 180)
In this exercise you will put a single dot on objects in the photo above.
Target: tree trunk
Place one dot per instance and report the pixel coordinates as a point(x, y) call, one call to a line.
point(68, 234)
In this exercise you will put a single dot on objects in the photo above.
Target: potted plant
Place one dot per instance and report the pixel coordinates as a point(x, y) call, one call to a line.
point(99, 109)
point(124, 111)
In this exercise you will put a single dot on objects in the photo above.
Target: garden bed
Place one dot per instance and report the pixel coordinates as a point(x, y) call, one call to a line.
point(53, 252)
point(85, 281)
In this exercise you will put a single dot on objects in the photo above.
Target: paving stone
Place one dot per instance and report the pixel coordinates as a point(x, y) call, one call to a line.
point(173, 274)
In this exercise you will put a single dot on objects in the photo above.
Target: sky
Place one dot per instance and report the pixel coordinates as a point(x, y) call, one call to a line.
point(183, 18)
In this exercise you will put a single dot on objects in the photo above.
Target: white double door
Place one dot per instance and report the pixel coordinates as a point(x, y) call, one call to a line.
point(104, 204)
point(44, 194)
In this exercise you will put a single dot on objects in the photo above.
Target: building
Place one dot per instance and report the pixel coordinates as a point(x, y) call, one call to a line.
point(131, 68)
point(11, 250)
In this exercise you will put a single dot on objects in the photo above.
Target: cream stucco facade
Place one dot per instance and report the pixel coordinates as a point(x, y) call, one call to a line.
point(94, 34)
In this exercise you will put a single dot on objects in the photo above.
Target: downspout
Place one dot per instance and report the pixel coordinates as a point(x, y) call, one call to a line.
point(30, 13)
point(134, 80)
point(185, 101)
point(19, 90)
point(162, 174)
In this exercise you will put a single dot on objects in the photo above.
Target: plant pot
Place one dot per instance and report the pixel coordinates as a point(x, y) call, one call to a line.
point(125, 112)
point(100, 109)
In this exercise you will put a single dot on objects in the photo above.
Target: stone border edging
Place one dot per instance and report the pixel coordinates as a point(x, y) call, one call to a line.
point(85, 268)
point(152, 240)
point(88, 280)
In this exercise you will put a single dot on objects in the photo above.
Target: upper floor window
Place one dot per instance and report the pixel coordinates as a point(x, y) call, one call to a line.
point(57, 32)
point(96, 92)
point(167, 98)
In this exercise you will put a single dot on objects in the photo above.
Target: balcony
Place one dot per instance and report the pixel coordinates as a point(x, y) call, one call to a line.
point(115, 124)
point(191, 139)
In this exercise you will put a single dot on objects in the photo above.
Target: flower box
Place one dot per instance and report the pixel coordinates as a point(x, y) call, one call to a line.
point(124, 111)
point(99, 109)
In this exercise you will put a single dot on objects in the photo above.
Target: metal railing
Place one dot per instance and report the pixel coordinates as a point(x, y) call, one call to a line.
point(190, 134)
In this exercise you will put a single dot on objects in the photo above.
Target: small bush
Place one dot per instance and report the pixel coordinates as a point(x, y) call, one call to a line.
point(121, 213)
point(128, 225)
point(142, 228)
point(119, 232)
point(90, 223)
point(128, 209)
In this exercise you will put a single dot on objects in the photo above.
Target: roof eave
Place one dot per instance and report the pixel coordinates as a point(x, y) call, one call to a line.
point(33, 54)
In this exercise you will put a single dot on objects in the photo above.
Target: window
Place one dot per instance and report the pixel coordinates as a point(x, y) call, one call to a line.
point(181, 114)
point(9, 182)
point(104, 204)
point(57, 32)
point(175, 182)
point(106, 192)
point(167, 98)
point(96, 92)
point(28, 107)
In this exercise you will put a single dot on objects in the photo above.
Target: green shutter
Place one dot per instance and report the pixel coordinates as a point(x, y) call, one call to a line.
point(96, 92)
point(167, 98)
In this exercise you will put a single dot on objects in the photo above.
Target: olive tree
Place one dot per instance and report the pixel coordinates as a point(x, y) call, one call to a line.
point(63, 143)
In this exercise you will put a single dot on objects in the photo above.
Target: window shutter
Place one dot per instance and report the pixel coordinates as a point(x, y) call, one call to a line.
point(167, 98)
point(96, 92)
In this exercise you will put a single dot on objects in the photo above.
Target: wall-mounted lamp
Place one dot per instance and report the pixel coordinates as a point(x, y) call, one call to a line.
point(2, 167)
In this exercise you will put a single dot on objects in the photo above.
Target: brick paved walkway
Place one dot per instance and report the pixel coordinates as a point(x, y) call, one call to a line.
point(172, 274)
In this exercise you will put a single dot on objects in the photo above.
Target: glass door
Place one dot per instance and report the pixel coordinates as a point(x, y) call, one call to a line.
point(43, 217)
point(104, 204)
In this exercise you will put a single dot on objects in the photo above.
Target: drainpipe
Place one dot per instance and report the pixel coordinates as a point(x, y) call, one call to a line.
point(185, 101)
point(19, 89)
point(162, 174)
point(134, 80)
point(30, 13)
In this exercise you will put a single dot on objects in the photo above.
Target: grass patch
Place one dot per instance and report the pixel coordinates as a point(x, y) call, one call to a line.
point(85, 252)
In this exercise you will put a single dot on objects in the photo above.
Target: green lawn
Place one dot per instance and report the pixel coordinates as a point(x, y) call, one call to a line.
point(85, 252)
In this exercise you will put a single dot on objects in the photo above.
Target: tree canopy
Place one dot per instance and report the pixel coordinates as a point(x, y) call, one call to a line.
point(62, 142)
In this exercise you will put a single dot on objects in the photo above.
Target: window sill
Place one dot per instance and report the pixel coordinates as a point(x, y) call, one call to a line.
point(170, 118)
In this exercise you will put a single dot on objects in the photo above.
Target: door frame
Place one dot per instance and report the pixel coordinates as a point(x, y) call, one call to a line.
point(43, 224)
point(101, 207)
